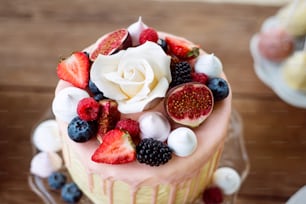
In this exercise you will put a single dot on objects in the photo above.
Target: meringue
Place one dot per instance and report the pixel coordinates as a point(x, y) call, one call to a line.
point(154, 125)
point(135, 29)
point(227, 179)
point(209, 64)
point(182, 141)
point(64, 105)
point(44, 164)
point(46, 136)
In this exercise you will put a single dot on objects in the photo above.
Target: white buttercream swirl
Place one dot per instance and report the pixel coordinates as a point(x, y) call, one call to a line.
point(135, 29)
point(64, 105)
point(46, 136)
point(133, 77)
point(227, 179)
point(154, 125)
point(44, 164)
point(209, 64)
point(182, 141)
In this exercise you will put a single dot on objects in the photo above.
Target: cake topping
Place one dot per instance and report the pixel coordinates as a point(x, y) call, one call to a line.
point(219, 88)
point(182, 141)
point(154, 125)
point(180, 73)
point(111, 43)
point(131, 126)
point(117, 148)
point(75, 69)
point(135, 29)
point(189, 104)
point(88, 109)
point(153, 152)
point(81, 130)
point(46, 136)
point(209, 64)
point(182, 48)
point(44, 164)
point(133, 77)
point(148, 34)
point(65, 103)
point(227, 179)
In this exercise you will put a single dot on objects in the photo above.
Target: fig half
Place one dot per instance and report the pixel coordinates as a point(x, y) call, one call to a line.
point(112, 42)
point(189, 104)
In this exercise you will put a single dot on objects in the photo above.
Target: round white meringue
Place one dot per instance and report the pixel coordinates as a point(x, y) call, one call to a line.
point(46, 136)
point(182, 141)
point(64, 105)
point(209, 64)
point(44, 164)
point(154, 125)
point(227, 179)
point(135, 29)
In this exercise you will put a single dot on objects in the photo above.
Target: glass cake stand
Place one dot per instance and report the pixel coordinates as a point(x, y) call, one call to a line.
point(234, 155)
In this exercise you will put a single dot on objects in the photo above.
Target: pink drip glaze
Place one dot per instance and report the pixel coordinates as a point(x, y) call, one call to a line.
point(90, 181)
point(172, 194)
point(188, 183)
point(133, 194)
point(154, 194)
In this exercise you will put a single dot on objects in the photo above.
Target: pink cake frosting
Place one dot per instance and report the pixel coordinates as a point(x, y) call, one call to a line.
point(181, 180)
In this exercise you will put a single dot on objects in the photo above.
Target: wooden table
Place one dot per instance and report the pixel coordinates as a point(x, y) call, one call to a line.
point(35, 34)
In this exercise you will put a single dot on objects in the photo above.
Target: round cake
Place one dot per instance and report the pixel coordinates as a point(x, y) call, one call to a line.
point(143, 116)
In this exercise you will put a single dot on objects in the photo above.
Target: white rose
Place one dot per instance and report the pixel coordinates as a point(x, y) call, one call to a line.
point(133, 77)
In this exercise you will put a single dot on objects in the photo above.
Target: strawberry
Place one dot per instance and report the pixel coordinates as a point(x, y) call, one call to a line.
point(117, 148)
point(75, 69)
point(108, 118)
point(148, 34)
point(182, 48)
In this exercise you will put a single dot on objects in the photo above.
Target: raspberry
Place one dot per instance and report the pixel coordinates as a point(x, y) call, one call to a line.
point(88, 109)
point(148, 34)
point(153, 152)
point(180, 73)
point(213, 195)
point(199, 77)
point(131, 126)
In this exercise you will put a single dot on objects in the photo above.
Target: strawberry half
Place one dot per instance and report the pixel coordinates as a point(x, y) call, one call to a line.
point(75, 69)
point(117, 148)
point(182, 48)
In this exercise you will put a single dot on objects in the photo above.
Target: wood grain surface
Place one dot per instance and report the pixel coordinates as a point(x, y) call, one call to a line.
point(35, 34)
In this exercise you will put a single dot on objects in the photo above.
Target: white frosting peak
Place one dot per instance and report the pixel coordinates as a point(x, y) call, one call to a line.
point(209, 64)
point(46, 136)
point(154, 125)
point(44, 164)
point(182, 141)
point(135, 29)
point(64, 105)
point(227, 179)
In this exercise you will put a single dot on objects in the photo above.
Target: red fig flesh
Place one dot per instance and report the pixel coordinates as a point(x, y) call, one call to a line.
point(189, 104)
point(112, 42)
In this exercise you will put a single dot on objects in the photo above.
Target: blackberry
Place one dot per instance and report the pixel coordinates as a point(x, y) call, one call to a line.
point(180, 73)
point(153, 152)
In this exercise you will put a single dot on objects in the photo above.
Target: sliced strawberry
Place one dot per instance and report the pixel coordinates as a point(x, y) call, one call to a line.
point(75, 69)
point(182, 48)
point(117, 148)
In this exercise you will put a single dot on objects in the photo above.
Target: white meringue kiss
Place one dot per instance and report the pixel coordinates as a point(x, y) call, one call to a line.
point(135, 29)
point(209, 64)
point(46, 136)
point(64, 105)
point(154, 125)
point(182, 141)
point(44, 164)
point(227, 179)
point(133, 77)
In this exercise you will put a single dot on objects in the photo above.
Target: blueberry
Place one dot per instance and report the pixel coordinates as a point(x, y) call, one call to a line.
point(71, 193)
point(99, 97)
point(93, 88)
point(57, 180)
point(163, 44)
point(80, 130)
point(218, 87)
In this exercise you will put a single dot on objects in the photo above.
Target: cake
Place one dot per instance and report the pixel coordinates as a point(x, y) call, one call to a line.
point(142, 88)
